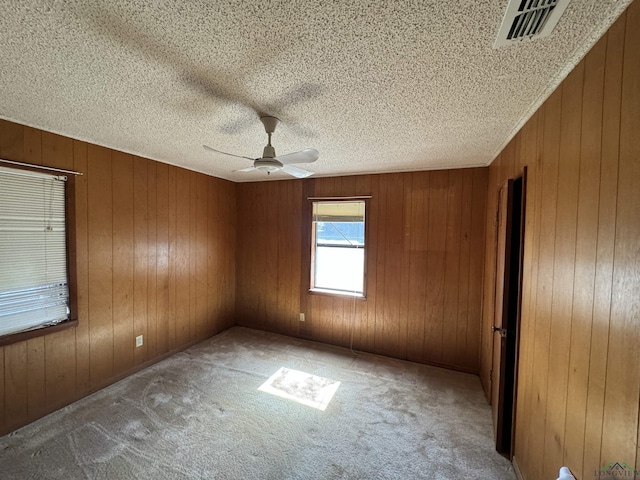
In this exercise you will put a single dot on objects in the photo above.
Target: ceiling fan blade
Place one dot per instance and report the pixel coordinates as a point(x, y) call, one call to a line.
point(248, 169)
point(296, 172)
point(207, 147)
point(308, 155)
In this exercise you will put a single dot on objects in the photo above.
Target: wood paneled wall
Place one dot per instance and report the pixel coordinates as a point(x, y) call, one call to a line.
point(155, 257)
point(424, 262)
point(579, 376)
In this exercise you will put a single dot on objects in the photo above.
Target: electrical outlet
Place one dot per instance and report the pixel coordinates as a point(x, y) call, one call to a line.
point(302, 317)
point(139, 341)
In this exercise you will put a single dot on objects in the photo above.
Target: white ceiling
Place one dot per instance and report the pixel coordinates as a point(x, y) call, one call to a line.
point(374, 85)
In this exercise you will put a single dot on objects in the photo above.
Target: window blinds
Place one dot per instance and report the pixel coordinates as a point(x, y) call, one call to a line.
point(33, 261)
point(342, 211)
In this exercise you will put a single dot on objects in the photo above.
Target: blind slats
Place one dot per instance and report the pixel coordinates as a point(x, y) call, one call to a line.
point(33, 269)
point(342, 211)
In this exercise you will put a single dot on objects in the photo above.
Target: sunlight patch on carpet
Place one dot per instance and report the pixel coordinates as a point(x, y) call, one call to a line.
point(301, 387)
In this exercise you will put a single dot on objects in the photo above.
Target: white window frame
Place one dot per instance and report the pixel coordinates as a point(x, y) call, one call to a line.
point(337, 291)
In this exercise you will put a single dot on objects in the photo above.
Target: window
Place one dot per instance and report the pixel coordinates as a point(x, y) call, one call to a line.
point(338, 247)
point(34, 286)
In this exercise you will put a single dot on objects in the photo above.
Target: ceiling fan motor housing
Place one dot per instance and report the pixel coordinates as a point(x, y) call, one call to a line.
point(269, 152)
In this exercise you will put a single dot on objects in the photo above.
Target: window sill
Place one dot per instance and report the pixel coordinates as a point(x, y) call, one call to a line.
point(337, 293)
point(38, 332)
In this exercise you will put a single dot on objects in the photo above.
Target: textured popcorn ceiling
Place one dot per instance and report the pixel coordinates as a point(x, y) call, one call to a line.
point(375, 86)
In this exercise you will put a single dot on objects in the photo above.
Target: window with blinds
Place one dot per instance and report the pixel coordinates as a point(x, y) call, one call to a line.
point(34, 290)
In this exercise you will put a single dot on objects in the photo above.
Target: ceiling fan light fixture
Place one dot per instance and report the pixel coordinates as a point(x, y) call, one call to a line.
point(268, 165)
point(269, 162)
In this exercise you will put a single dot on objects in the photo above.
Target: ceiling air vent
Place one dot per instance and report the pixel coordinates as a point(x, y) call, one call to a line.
point(529, 19)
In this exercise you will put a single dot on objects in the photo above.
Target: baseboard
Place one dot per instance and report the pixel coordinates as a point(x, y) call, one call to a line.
point(516, 468)
point(383, 353)
point(485, 388)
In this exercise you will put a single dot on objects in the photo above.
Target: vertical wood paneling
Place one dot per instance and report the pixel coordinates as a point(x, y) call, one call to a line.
point(242, 264)
point(36, 401)
point(424, 265)
point(622, 388)
point(213, 267)
point(284, 294)
point(269, 273)
point(82, 278)
point(100, 241)
point(563, 268)
point(586, 243)
point(162, 258)
point(436, 245)
point(151, 337)
point(394, 232)
point(140, 254)
point(579, 373)
point(202, 226)
point(418, 263)
point(551, 145)
point(452, 269)
point(132, 233)
point(182, 262)
point(405, 278)
point(173, 260)
point(33, 145)
point(229, 232)
point(15, 383)
point(218, 276)
point(476, 269)
point(12, 141)
point(123, 255)
point(605, 245)
point(193, 255)
point(463, 332)
point(295, 252)
point(380, 245)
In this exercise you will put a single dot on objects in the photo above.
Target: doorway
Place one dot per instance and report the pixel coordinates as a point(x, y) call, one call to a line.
point(508, 299)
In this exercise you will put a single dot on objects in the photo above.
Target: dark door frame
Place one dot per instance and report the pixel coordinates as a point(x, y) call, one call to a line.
point(511, 315)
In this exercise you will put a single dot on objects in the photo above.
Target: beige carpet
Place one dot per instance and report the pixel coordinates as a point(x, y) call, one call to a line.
point(200, 414)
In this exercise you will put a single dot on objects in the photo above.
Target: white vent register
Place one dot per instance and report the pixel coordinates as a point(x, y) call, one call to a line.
point(529, 19)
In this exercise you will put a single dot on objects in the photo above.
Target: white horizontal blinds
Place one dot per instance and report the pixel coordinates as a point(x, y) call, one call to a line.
point(33, 263)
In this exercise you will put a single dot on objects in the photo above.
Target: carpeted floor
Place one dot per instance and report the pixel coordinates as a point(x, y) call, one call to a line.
point(200, 414)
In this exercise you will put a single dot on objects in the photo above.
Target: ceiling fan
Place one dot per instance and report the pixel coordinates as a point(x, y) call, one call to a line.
point(269, 162)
